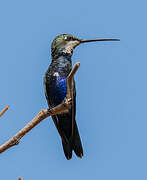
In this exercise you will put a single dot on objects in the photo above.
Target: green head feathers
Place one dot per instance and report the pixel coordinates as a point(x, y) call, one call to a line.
point(63, 42)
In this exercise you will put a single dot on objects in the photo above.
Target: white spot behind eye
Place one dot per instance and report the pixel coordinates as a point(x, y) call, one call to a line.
point(56, 74)
point(65, 38)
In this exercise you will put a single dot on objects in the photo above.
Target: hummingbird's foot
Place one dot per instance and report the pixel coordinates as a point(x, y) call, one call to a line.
point(49, 110)
point(67, 102)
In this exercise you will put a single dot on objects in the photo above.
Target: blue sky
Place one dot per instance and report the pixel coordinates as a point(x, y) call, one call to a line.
point(111, 88)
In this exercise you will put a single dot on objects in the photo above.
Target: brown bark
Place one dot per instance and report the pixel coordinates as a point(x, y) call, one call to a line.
point(4, 110)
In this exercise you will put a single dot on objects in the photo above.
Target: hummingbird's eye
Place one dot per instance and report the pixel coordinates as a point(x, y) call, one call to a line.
point(70, 38)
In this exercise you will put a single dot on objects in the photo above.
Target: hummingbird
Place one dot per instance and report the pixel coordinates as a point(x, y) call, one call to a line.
point(56, 89)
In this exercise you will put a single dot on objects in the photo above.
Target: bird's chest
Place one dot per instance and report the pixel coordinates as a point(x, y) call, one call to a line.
point(58, 88)
point(55, 80)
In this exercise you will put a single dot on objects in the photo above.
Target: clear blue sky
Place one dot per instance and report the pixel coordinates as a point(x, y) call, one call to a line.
point(111, 88)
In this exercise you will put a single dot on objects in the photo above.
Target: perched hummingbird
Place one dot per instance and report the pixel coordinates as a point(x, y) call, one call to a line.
point(56, 89)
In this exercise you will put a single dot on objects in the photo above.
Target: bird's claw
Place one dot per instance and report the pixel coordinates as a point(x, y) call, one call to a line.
point(68, 101)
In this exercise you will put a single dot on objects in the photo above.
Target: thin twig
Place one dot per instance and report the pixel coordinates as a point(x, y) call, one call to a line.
point(43, 114)
point(4, 110)
point(70, 79)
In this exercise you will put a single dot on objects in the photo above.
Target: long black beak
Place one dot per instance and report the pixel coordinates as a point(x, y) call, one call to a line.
point(93, 40)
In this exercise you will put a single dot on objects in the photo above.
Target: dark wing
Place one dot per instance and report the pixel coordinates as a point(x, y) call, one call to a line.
point(47, 88)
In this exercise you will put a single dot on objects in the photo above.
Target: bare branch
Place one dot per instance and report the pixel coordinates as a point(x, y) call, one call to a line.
point(43, 114)
point(70, 79)
point(4, 110)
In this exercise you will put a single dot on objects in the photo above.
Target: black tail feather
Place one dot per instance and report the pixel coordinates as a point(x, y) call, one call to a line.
point(67, 149)
point(74, 143)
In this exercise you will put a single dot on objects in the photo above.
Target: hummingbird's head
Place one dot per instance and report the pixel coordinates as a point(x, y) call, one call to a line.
point(65, 43)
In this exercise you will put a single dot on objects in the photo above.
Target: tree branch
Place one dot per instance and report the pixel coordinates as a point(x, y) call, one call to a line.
point(43, 114)
point(19, 178)
point(4, 110)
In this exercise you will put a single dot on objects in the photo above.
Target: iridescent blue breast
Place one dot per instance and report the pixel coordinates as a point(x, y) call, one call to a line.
point(59, 89)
